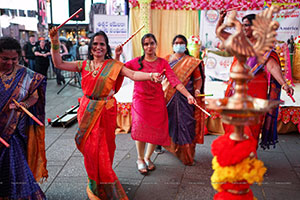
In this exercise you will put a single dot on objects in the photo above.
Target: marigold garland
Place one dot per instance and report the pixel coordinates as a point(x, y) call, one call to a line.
point(235, 168)
point(230, 152)
point(250, 170)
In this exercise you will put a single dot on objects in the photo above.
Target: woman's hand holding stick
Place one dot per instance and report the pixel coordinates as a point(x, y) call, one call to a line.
point(28, 113)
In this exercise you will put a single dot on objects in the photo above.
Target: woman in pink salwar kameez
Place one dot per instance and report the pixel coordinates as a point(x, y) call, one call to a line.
point(149, 111)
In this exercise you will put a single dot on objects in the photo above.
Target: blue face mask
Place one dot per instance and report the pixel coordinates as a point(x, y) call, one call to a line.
point(179, 48)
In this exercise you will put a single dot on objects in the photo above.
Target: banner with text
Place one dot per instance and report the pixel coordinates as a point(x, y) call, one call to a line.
point(115, 27)
point(217, 67)
point(289, 21)
point(289, 25)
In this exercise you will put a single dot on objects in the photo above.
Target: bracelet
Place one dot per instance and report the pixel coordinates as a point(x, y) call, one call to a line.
point(55, 47)
point(197, 90)
point(26, 104)
point(283, 85)
point(151, 78)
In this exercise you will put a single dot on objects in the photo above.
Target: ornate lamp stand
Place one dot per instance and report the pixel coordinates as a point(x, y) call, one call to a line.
point(235, 164)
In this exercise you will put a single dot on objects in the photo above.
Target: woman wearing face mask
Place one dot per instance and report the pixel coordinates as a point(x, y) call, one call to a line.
point(186, 123)
point(149, 112)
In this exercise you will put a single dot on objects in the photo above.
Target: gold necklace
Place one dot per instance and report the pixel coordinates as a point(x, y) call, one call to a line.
point(95, 70)
point(8, 78)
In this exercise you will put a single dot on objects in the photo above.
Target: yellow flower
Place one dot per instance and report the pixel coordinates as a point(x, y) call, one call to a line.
point(249, 169)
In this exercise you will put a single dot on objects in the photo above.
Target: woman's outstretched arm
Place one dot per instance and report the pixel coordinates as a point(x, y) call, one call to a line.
point(141, 76)
point(56, 57)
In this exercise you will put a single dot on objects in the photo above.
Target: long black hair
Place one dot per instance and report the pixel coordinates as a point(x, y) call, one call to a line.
point(185, 41)
point(108, 54)
point(148, 35)
point(250, 17)
point(9, 43)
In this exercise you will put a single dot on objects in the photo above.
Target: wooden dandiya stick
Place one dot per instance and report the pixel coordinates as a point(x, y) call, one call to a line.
point(28, 113)
point(4, 142)
point(76, 13)
point(205, 95)
point(133, 35)
point(202, 109)
point(291, 97)
point(163, 71)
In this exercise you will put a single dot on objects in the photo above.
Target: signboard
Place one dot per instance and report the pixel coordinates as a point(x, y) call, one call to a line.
point(217, 67)
point(115, 27)
point(209, 20)
point(289, 21)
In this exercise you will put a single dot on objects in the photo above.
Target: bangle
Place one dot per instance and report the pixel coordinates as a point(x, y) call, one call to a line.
point(283, 85)
point(26, 104)
point(197, 90)
point(55, 47)
point(151, 78)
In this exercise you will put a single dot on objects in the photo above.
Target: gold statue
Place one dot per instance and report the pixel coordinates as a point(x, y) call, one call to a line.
point(264, 30)
point(241, 109)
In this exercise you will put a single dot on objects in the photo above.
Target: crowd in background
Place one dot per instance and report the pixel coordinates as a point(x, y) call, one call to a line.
point(36, 54)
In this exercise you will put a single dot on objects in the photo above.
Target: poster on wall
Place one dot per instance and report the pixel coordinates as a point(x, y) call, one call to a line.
point(209, 20)
point(116, 29)
point(289, 21)
point(217, 67)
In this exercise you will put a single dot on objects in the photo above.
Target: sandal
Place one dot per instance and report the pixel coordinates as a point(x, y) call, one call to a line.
point(150, 165)
point(142, 168)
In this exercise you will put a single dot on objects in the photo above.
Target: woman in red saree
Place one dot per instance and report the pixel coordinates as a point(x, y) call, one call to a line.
point(101, 79)
point(186, 124)
point(266, 84)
